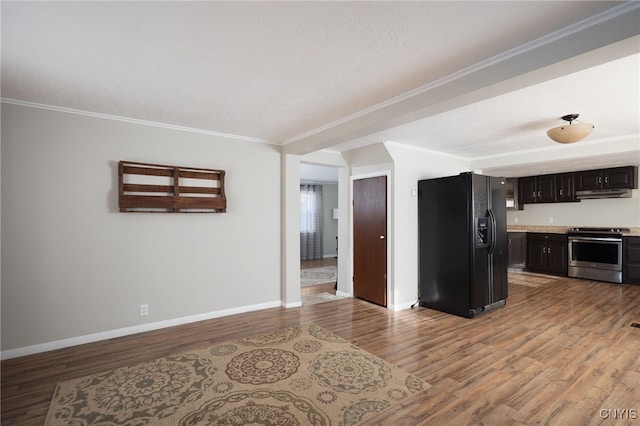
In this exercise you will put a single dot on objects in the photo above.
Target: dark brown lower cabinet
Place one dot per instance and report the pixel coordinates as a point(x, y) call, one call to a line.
point(517, 249)
point(547, 253)
point(631, 260)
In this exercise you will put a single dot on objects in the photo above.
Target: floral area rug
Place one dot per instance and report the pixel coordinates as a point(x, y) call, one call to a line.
point(313, 299)
point(302, 375)
point(315, 276)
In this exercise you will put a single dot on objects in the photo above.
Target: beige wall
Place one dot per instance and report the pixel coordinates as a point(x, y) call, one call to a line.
point(74, 268)
point(330, 231)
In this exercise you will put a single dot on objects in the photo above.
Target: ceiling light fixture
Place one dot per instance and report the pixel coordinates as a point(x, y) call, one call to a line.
point(569, 133)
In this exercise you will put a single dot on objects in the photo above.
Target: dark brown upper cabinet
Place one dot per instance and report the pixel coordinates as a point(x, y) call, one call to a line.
point(565, 187)
point(615, 178)
point(527, 190)
point(537, 189)
point(546, 188)
point(562, 187)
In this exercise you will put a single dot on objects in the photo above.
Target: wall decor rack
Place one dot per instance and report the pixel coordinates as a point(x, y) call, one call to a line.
point(157, 188)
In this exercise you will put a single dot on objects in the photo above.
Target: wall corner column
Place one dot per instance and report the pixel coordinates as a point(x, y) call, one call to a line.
point(290, 231)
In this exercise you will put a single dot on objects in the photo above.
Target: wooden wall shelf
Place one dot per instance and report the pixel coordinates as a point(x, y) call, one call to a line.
point(158, 188)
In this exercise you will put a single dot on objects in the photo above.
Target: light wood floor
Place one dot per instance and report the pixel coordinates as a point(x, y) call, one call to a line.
point(558, 353)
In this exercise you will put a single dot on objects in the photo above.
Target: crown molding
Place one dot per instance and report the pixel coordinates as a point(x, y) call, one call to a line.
point(133, 120)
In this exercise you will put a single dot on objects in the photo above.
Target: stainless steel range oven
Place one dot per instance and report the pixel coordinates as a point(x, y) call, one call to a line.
point(596, 253)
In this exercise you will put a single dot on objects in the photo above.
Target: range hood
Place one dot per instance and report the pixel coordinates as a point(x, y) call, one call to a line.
point(603, 193)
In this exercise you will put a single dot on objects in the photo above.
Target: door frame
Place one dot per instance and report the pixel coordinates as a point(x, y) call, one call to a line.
point(389, 232)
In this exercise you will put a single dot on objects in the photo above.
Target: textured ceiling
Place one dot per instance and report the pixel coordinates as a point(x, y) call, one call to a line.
point(280, 71)
point(606, 95)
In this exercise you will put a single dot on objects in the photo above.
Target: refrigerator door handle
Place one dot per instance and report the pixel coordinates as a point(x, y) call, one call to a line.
point(493, 231)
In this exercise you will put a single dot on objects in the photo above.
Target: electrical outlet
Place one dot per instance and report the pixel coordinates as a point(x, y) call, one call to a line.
point(515, 220)
point(144, 310)
point(550, 220)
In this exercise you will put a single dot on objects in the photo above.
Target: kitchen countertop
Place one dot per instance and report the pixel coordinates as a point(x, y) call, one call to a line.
point(558, 229)
point(539, 228)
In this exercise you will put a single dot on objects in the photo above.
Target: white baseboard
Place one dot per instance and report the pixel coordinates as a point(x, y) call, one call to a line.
point(401, 306)
point(111, 334)
point(328, 256)
point(343, 294)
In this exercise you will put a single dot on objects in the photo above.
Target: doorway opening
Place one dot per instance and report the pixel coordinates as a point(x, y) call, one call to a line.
point(318, 232)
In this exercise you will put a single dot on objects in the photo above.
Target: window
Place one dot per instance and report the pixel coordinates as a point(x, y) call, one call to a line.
point(310, 209)
point(311, 221)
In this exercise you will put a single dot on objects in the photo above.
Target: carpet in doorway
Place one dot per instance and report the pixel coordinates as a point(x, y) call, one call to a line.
point(313, 299)
point(298, 375)
point(315, 276)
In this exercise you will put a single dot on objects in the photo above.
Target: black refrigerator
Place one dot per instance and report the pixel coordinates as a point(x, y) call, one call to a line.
point(462, 225)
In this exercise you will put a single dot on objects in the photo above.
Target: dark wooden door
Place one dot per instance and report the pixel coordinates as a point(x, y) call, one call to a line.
point(370, 239)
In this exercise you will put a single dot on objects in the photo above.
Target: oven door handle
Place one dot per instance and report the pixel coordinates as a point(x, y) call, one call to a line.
point(596, 239)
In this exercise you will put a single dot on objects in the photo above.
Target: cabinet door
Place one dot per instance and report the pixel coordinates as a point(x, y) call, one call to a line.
point(565, 187)
point(546, 189)
point(557, 256)
point(536, 254)
point(589, 180)
point(527, 190)
point(631, 260)
point(517, 249)
point(620, 177)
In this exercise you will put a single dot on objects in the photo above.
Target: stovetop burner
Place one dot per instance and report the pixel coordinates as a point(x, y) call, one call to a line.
point(609, 231)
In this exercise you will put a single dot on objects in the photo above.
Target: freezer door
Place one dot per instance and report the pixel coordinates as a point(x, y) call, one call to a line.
point(480, 283)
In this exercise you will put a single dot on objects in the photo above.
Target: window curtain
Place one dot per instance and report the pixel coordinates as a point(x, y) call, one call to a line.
point(311, 222)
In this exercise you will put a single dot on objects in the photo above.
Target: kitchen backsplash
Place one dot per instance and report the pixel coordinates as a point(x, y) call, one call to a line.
point(610, 212)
